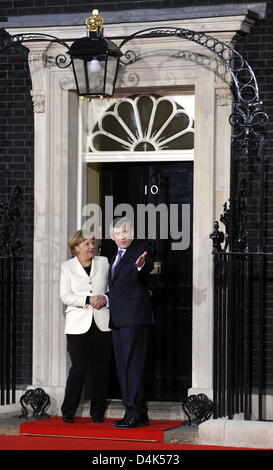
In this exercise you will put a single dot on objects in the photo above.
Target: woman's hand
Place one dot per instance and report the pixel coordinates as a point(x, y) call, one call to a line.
point(97, 301)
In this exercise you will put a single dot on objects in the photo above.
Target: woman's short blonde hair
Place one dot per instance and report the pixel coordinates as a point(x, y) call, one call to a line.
point(77, 237)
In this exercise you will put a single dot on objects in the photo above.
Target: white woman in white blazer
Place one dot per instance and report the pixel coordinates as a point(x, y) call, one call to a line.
point(83, 283)
point(75, 286)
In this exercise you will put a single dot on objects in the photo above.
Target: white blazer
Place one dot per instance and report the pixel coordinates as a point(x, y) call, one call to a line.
point(75, 286)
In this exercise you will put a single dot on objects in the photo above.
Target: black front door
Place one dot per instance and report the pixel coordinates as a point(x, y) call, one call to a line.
point(169, 186)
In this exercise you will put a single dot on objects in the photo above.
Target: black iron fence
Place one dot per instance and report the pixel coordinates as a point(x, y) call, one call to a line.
point(8, 282)
point(10, 251)
point(231, 334)
point(240, 287)
point(240, 277)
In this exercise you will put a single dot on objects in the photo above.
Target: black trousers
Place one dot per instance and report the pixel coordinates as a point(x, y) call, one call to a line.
point(130, 348)
point(94, 346)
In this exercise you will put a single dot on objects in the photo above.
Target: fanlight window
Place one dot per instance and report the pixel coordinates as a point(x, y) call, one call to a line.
point(143, 123)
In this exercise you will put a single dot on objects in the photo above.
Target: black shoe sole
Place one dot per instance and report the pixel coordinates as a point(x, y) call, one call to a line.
point(68, 419)
point(141, 423)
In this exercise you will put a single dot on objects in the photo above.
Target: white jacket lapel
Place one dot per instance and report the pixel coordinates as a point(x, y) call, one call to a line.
point(93, 267)
point(79, 268)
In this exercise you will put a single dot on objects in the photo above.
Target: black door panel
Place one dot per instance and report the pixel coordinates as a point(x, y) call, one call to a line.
point(169, 362)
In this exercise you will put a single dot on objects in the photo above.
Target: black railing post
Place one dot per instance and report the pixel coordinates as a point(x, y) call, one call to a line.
point(247, 342)
point(230, 337)
point(261, 288)
point(222, 332)
point(14, 323)
point(2, 316)
point(215, 337)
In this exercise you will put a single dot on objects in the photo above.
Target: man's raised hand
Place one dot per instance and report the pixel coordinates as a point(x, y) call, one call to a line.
point(141, 260)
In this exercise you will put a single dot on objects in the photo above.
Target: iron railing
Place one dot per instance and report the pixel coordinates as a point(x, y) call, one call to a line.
point(240, 284)
point(10, 252)
point(239, 333)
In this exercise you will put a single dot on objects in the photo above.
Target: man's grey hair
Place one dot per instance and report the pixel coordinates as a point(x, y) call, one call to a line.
point(119, 221)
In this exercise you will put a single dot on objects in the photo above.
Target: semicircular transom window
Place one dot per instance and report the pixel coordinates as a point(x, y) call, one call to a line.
point(143, 123)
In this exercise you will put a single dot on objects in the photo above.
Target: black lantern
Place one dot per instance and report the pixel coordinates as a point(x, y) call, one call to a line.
point(95, 61)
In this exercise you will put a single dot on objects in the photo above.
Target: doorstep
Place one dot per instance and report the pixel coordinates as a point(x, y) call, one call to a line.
point(236, 433)
point(164, 410)
point(10, 421)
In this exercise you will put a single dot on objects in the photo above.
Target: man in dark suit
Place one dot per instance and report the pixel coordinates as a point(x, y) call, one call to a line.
point(130, 318)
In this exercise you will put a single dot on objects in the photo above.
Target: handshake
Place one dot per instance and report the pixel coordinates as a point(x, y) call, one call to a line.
point(98, 301)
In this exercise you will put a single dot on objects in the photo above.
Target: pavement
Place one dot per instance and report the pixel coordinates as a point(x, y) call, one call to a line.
point(10, 420)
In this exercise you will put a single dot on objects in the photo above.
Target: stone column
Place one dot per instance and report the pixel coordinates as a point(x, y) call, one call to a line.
point(223, 101)
point(50, 98)
point(211, 189)
point(204, 190)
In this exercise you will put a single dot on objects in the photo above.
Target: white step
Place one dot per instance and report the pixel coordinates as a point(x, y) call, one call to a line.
point(164, 410)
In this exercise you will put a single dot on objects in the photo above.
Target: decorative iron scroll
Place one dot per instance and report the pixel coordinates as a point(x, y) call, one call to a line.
point(248, 121)
point(217, 238)
point(39, 401)
point(235, 233)
point(198, 408)
point(62, 60)
point(10, 221)
point(243, 76)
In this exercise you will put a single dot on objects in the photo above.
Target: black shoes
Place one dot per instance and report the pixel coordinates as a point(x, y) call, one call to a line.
point(68, 419)
point(97, 419)
point(128, 422)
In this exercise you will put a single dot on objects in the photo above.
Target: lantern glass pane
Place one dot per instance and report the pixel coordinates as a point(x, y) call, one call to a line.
point(80, 75)
point(96, 72)
point(112, 64)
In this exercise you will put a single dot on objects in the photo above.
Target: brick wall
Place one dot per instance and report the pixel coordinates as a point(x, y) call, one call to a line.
point(16, 167)
point(16, 136)
point(257, 48)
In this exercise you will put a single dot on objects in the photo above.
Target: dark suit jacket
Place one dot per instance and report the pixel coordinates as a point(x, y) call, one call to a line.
point(129, 298)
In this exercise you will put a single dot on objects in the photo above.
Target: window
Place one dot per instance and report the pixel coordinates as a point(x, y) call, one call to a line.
point(143, 123)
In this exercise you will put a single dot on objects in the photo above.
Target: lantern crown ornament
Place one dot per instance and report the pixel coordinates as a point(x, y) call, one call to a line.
point(95, 61)
point(95, 22)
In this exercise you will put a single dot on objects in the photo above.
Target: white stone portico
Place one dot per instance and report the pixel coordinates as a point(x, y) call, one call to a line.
point(170, 65)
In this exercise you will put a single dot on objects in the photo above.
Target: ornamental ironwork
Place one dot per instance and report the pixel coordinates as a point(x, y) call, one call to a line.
point(38, 400)
point(198, 409)
point(10, 222)
point(62, 60)
point(246, 88)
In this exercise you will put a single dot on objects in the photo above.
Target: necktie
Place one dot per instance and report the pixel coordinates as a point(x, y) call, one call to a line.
point(120, 253)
